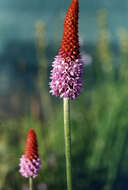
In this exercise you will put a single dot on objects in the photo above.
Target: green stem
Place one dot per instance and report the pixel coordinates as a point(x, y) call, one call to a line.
point(67, 132)
point(30, 183)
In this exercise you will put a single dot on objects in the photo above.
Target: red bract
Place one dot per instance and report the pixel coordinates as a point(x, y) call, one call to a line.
point(70, 42)
point(31, 149)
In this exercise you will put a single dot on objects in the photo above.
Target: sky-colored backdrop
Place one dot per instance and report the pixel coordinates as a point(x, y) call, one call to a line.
point(18, 18)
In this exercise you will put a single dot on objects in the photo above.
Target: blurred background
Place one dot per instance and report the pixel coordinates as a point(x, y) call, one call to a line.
point(30, 34)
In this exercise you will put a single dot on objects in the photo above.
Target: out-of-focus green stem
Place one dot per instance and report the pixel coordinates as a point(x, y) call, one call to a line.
point(67, 132)
point(43, 94)
point(30, 183)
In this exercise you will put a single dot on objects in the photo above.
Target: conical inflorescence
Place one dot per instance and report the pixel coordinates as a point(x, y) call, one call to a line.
point(70, 42)
point(30, 162)
point(66, 75)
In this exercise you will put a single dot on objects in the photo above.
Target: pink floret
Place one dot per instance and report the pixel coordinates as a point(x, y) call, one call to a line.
point(66, 77)
point(29, 167)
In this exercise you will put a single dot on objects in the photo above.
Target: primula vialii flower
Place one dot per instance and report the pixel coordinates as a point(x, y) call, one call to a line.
point(30, 162)
point(66, 75)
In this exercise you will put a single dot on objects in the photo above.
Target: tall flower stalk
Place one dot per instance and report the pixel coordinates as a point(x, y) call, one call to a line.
point(30, 162)
point(30, 183)
point(66, 75)
point(67, 132)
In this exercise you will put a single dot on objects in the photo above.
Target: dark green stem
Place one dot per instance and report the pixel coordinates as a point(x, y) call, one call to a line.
point(67, 132)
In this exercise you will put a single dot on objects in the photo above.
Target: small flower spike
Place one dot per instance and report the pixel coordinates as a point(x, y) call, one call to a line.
point(66, 75)
point(30, 162)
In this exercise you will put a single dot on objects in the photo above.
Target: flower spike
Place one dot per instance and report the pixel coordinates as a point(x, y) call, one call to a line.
point(66, 75)
point(30, 162)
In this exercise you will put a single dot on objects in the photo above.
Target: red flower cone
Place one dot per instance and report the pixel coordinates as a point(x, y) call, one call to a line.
point(70, 42)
